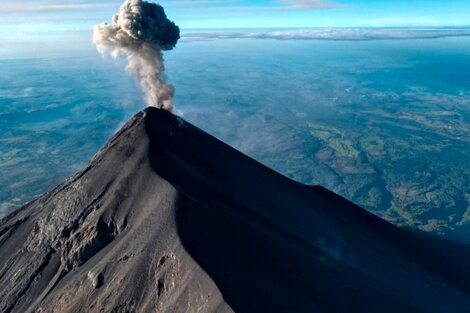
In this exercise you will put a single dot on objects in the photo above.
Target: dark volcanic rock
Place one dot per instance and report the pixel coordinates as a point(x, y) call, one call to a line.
point(168, 219)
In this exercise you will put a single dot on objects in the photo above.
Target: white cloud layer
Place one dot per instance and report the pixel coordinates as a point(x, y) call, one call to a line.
point(330, 34)
point(311, 4)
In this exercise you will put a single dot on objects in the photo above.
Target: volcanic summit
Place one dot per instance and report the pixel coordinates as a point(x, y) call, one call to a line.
point(166, 218)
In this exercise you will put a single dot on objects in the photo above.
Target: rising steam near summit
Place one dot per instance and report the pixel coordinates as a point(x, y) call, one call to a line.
point(140, 32)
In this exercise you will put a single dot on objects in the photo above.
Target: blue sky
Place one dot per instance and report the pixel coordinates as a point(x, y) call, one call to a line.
point(41, 23)
point(244, 13)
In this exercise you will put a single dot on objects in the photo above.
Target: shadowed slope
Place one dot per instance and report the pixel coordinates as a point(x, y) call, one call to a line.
point(168, 219)
point(323, 248)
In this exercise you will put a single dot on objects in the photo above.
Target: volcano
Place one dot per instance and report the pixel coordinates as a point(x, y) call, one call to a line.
point(167, 218)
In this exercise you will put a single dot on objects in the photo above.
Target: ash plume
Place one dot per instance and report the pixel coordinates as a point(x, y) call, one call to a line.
point(140, 32)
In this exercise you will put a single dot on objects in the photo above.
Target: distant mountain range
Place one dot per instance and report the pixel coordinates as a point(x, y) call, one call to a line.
point(166, 218)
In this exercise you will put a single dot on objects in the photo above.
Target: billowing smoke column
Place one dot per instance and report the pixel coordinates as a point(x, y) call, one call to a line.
point(140, 32)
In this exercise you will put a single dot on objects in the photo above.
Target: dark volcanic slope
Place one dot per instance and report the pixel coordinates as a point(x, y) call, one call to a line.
point(168, 219)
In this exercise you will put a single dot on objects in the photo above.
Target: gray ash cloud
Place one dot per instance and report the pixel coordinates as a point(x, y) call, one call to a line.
point(140, 32)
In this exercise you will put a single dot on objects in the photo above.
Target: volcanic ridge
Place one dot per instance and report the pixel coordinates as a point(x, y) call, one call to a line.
point(166, 218)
